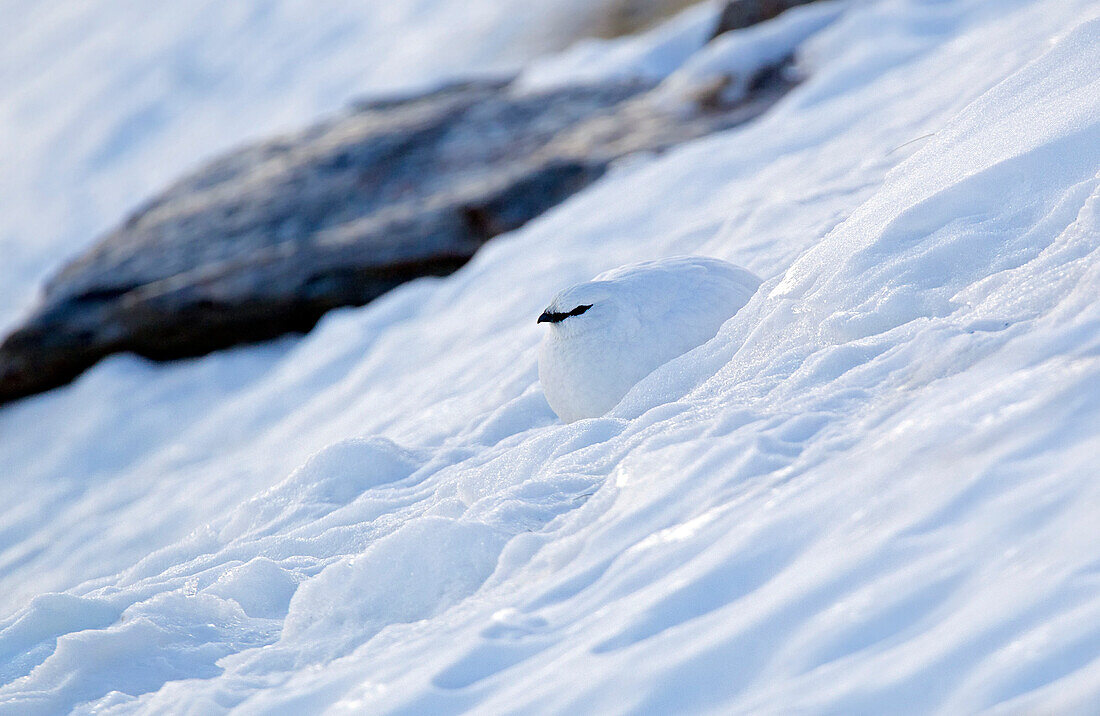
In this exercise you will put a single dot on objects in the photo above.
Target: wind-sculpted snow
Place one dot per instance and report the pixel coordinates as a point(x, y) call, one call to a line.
point(873, 491)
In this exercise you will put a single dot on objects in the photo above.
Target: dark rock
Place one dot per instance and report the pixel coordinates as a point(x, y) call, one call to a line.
point(628, 17)
point(267, 239)
point(739, 14)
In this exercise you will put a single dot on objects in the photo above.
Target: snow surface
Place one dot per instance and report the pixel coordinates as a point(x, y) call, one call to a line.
point(650, 55)
point(731, 61)
point(874, 490)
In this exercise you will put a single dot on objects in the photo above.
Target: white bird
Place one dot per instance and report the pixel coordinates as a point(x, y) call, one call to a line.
point(607, 334)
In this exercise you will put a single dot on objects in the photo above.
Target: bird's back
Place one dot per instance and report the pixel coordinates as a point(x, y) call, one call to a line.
point(683, 300)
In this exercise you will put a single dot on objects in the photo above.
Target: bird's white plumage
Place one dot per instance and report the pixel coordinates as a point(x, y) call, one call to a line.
point(642, 315)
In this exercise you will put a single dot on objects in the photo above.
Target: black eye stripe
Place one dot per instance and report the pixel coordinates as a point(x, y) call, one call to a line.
point(552, 317)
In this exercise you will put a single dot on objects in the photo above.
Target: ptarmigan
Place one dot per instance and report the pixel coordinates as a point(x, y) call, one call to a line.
point(607, 334)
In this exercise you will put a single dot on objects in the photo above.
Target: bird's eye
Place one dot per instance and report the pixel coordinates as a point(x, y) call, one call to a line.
point(549, 316)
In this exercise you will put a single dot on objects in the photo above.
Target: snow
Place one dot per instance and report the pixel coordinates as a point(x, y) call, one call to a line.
point(732, 61)
point(651, 55)
point(874, 490)
point(603, 336)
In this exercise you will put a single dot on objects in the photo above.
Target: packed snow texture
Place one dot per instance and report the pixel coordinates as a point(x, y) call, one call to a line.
point(604, 335)
point(873, 491)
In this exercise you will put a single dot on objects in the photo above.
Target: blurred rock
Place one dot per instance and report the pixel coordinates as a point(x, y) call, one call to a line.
point(267, 239)
point(626, 17)
point(738, 14)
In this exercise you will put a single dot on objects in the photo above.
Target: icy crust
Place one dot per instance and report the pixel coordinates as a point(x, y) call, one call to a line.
point(874, 490)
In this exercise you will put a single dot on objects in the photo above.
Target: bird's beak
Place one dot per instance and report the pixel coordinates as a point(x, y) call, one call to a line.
point(547, 317)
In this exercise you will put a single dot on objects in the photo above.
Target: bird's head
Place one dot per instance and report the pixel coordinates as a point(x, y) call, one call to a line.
point(586, 307)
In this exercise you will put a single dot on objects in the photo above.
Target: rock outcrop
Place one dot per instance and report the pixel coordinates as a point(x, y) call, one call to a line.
point(738, 14)
point(267, 239)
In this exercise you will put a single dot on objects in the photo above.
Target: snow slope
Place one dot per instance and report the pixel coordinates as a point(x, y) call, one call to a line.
point(874, 490)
